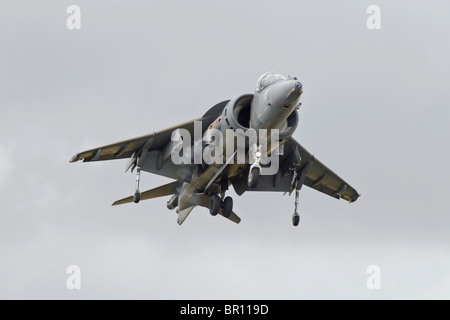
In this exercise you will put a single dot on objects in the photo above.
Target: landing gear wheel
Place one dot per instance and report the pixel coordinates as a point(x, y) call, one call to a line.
point(214, 205)
point(295, 219)
point(253, 178)
point(227, 207)
point(137, 197)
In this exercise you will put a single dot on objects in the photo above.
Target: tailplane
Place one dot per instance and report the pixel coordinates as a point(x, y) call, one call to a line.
point(161, 191)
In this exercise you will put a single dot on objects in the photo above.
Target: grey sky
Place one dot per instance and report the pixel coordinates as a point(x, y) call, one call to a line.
point(375, 110)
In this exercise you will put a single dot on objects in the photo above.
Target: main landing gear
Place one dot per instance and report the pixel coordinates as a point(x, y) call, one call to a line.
point(216, 203)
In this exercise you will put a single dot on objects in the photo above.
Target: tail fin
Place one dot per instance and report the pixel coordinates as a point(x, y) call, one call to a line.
point(183, 214)
point(161, 191)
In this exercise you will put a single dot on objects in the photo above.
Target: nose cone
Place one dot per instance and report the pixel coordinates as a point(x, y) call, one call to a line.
point(273, 105)
point(294, 93)
point(287, 93)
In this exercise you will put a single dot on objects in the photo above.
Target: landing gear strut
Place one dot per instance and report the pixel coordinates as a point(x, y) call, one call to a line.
point(296, 216)
point(297, 182)
point(137, 193)
point(255, 169)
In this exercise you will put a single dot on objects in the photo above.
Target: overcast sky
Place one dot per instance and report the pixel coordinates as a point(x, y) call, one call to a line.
point(375, 110)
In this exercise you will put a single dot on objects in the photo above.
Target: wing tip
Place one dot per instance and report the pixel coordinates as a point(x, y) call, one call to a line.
point(354, 198)
point(75, 158)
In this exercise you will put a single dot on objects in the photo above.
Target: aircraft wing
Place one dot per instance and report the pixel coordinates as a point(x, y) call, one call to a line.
point(156, 140)
point(321, 178)
point(125, 149)
point(318, 176)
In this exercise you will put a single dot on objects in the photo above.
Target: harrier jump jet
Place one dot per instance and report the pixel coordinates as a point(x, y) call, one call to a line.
point(273, 106)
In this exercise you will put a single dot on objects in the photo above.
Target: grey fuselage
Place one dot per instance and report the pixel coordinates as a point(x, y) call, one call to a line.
point(273, 105)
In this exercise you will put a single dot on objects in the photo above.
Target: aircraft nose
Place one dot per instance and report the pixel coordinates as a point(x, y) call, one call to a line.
point(295, 92)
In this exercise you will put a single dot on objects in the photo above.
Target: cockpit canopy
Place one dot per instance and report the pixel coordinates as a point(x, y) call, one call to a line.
point(267, 79)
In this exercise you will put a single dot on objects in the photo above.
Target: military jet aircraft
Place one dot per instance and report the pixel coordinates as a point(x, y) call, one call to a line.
point(273, 106)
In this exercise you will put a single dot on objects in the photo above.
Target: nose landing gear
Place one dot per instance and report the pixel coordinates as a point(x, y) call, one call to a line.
point(255, 169)
point(253, 177)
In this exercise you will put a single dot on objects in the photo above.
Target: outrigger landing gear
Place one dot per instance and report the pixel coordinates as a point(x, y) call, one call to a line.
point(297, 182)
point(137, 193)
point(296, 216)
